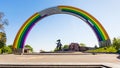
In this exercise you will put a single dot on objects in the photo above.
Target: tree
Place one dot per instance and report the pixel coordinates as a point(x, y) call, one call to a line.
point(42, 50)
point(0, 51)
point(2, 21)
point(10, 46)
point(82, 44)
point(95, 47)
point(6, 49)
point(2, 39)
point(28, 46)
point(65, 47)
point(116, 43)
point(2, 32)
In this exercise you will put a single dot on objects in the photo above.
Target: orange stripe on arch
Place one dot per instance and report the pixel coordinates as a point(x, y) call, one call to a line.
point(15, 44)
point(91, 17)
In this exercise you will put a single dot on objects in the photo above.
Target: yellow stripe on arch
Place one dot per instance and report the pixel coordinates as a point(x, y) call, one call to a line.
point(15, 44)
point(91, 17)
point(27, 26)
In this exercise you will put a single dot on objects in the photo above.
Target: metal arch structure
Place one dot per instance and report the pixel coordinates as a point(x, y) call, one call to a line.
point(95, 25)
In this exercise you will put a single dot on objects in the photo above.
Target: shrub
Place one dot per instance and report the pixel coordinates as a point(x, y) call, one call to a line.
point(65, 47)
point(0, 51)
point(6, 49)
point(109, 49)
point(28, 46)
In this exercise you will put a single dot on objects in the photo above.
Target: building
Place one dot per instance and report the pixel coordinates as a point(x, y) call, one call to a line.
point(27, 50)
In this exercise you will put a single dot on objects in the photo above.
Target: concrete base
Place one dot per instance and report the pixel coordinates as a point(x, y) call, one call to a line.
point(105, 43)
point(19, 51)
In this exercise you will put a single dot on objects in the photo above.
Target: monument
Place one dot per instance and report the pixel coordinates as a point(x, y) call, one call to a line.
point(98, 29)
point(74, 47)
point(59, 45)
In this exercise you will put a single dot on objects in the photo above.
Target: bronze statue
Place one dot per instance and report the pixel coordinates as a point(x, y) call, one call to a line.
point(59, 45)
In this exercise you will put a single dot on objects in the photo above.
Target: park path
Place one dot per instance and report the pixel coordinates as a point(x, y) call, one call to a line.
point(108, 59)
point(112, 58)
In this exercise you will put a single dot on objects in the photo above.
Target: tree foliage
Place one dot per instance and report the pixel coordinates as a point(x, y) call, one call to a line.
point(2, 39)
point(28, 46)
point(10, 46)
point(2, 21)
point(108, 49)
point(0, 51)
point(6, 49)
point(112, 48)
point(66, 47)
point(82, 44)
point(116, 43)
point(95, 47)
point(2, 32)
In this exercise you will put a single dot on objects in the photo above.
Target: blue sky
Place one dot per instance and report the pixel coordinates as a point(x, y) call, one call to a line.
point(61, 26)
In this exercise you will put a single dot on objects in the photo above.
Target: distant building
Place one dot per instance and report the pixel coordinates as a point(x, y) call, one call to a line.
point(27, 50)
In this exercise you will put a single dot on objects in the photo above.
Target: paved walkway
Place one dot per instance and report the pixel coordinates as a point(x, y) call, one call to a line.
point(108, 59)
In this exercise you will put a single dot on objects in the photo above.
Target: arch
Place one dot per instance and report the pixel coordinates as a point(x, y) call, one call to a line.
point(95, 25)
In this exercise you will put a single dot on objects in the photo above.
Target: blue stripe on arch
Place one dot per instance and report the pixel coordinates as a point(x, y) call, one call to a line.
point(92, 27)
point(27, 30)
point(97, 33)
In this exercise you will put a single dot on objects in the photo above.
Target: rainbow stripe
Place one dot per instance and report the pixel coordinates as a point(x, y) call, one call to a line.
point(28, 25)
point(24, 30)
point(98, 29)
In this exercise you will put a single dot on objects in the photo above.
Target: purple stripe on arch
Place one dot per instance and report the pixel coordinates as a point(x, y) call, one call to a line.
point(29, 29)
point(96, 33)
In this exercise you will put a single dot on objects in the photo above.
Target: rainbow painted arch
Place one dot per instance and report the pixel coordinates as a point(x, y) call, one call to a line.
point(98, 29)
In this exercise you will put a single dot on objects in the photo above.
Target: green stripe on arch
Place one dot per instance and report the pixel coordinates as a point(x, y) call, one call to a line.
point(25, 29)
point(27, 26)
point(86, 17)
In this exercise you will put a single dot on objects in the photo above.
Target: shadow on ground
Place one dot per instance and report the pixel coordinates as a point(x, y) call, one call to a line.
point(118, 57)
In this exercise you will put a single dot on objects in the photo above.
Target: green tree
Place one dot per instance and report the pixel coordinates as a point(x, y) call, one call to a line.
point(82, 44)
point(2, 39)
point(42, 50)
point(2, 21)
point(116, 43)
point(10, 46)
point(0, 51)
point(65, 46)
point(28, 46)
point(55, 49)
point(2, 32)
point(6, 49)
point(95, 47)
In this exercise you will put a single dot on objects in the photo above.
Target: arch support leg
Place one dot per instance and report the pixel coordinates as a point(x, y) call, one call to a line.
point(105, 43)
point(19, 51)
